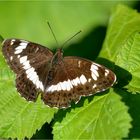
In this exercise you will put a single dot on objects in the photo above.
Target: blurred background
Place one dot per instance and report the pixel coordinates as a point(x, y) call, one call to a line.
point(28, 20)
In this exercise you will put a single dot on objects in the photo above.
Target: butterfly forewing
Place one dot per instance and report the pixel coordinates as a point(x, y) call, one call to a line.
point(17, 51)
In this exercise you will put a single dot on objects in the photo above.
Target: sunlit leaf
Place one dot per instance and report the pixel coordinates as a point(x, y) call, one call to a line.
point(122, 44)
point(106, 117)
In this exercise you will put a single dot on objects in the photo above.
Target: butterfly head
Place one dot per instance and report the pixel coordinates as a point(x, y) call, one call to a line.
point(60, 51)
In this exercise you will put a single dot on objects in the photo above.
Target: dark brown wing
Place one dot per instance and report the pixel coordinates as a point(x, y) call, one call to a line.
point(30, 62)
point(26, 88)
point(15, 49)
point(77, 77)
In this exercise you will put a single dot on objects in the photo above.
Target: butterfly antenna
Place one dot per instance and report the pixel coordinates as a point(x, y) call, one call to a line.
point(53, 33)
point(70, 38)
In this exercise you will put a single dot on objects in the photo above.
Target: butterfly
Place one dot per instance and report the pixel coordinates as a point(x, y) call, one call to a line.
point(60, 80)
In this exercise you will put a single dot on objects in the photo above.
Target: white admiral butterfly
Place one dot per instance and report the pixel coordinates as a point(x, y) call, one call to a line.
point(60, 80)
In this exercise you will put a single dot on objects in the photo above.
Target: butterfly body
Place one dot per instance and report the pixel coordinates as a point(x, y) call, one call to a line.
point(59, 79)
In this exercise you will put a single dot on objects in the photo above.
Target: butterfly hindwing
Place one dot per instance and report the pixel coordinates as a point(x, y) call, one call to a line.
point(26, 88)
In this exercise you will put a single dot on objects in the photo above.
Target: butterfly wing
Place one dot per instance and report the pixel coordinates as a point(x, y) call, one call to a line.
point(17, 51)
point(26, 88)
point(77, 77)
point(29, 61)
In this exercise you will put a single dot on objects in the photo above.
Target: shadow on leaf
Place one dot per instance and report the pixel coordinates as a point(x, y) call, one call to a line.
point(89, 47)
point(133, 102)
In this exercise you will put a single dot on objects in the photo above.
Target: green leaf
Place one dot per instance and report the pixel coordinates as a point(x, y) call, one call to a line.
point(129, 59)
point(133, 102)
point(19, 118)
point(106, 117)
point(122, 44)
point(123, 22)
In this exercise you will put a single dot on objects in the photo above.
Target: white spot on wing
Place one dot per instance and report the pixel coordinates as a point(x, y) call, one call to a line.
point(18, 51)
point(79, 63)
point(26, 65)
point(23, 59)
point(38, 84)
point(89, 80)
point(94, 76)
point(76, 81)
point(12, 41)
point(24, 44)
point(21, 46)
point(36, 50)
point(32, 75)
point(83, 79)
point(49, 89)
point(41, 86)
point(94, 71)
point(62, 86)
point(94, 86)
point(58, 87)
point(106, 72)
point(29, 70)
point(11, 58)
point(94, 67)
point(53, 88)
point(70, 84)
